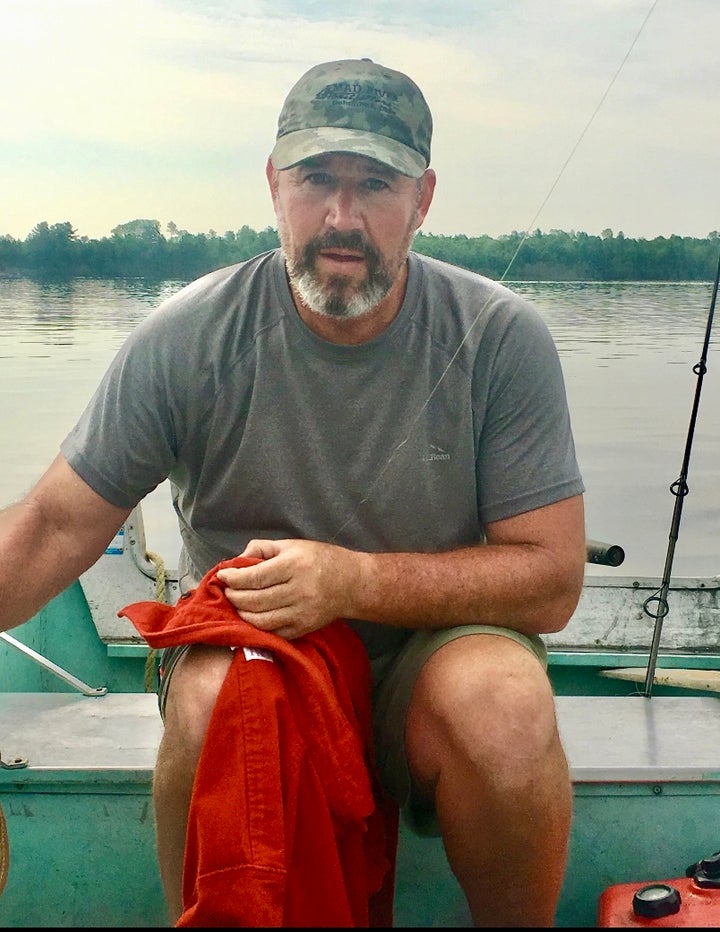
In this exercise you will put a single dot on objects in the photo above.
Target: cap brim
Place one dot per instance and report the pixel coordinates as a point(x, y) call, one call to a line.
point(293, 148)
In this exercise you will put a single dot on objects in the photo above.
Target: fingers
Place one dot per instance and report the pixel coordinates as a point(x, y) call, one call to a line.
point(271, 594)
point(288, 621)
point(291, 591)
point(259, 601)
point(263, 549)
point(277, 622)
point(255, 577)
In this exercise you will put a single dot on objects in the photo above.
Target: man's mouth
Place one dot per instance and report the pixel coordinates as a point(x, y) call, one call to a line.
point(343, 256)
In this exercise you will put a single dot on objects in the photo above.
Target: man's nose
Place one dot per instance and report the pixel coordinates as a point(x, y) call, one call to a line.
point(343, 209)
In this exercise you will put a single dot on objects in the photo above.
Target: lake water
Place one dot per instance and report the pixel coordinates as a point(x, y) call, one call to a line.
point(627, 349)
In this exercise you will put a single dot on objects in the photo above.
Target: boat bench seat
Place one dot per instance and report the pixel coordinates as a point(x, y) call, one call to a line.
point(606, 738)
point(72, 732)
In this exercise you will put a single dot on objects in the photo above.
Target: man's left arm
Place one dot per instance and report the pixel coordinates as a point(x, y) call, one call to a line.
point(527, 576)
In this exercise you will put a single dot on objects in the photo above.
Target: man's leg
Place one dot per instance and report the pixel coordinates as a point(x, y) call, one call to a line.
point(483, 747)
point(193, 688)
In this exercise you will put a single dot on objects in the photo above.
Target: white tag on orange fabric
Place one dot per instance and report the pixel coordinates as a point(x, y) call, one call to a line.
point(257, 653)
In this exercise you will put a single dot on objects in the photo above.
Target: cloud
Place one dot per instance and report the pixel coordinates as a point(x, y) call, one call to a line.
point(174, 102)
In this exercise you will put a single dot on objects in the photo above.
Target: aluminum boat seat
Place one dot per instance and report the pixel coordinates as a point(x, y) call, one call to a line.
point(607, 738)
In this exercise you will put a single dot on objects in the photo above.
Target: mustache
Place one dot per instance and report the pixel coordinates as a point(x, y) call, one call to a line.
point(338, 239)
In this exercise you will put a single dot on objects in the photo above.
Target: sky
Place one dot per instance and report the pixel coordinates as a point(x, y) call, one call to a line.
point(576, 115)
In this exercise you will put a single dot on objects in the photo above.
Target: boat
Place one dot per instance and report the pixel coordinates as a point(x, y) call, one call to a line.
point(79, 730)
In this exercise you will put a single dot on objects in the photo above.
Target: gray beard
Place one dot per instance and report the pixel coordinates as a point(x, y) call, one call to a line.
point(329, 298)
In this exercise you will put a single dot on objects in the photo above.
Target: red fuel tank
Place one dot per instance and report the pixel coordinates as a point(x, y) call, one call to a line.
point(693, 900)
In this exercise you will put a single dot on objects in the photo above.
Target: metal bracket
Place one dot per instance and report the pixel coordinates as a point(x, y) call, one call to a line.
point(136, 547)
point(53, 667)
point(13, 763)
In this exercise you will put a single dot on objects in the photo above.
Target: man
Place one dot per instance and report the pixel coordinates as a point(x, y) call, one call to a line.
point(390, 435)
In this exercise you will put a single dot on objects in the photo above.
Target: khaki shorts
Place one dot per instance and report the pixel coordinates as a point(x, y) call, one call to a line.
point(394, 678)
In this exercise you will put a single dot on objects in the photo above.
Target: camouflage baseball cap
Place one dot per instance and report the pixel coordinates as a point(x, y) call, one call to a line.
point(355, 106)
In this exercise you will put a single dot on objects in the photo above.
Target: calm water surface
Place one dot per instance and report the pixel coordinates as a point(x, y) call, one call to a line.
point(627, 349)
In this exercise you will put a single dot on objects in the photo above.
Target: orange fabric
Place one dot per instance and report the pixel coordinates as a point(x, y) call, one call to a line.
point(288, 825)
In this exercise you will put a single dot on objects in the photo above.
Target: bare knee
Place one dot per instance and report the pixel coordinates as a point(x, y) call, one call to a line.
point(485, 702)
point(192, 694)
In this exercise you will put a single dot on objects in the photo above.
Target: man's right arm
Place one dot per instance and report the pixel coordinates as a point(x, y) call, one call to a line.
point(58, 530)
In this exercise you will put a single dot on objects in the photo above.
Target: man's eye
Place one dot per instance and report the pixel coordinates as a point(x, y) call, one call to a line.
point(319, 178)
point(375, 184)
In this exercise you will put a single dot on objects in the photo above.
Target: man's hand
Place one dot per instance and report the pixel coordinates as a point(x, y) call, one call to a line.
point(297, 588)
point(527, 576)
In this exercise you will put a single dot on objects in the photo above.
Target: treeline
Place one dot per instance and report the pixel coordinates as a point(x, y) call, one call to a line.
point(141, 248)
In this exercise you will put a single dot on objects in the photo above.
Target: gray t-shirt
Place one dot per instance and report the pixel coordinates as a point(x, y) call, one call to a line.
point(454, 416)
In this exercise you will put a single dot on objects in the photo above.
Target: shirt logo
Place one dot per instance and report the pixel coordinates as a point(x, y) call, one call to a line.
point(435, 453)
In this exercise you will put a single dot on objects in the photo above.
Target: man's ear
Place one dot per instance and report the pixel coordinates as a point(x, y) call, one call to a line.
point(427, 190)
point(272, 178)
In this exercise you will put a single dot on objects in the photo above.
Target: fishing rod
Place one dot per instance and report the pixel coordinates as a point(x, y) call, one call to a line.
point(679, 489)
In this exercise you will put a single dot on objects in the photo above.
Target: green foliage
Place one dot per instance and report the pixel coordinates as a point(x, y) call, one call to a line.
point(52, 248)
point(139, 248)
point(144, 231)
point(577, 256)
point(136, 248)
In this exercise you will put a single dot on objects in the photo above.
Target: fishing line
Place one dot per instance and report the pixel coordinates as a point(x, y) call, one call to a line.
point(502, 278)
point(679, 489)
point(580, 139)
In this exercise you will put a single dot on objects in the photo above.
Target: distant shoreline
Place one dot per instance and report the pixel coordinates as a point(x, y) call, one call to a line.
point(140, 249)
